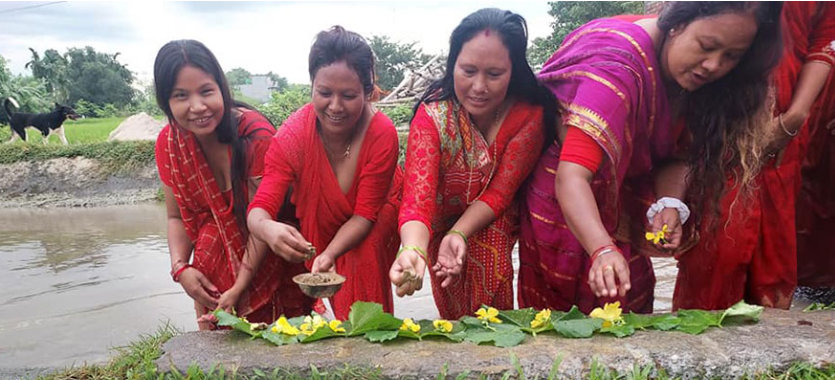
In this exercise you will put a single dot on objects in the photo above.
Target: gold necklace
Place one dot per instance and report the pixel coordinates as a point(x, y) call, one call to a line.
point(472, 161)
point(347, 152)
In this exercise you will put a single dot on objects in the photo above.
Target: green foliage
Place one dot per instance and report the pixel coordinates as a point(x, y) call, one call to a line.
point(84, 74)
point(817, 306)
point(82, 131)
point(119, 157)
point(238, 76)
point(284, 103)
point(393, 58)
point(399, 115)
point(570, 15)
point(28, 91)
point(369, 320)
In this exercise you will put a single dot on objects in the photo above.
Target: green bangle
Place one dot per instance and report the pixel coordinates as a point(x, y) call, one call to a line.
point(415, 248)
point(459, 233)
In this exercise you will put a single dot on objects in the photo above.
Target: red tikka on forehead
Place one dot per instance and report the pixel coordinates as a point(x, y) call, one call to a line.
point(486, 32)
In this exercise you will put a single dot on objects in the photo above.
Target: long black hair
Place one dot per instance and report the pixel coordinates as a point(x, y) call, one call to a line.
point(724, 116)
point(171, 58)
point(513, 31)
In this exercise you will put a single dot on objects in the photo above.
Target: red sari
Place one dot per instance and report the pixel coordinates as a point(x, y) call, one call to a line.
point(449, 165)
point(755, 257)
point(219, 242)
point(816, 201)
point(296, 158)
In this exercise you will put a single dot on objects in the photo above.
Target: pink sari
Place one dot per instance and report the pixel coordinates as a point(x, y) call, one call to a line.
point(607, 81)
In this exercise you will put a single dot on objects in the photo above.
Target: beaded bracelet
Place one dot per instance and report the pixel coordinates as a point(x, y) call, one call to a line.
point(415, 248)
point(175, 275)
point(459, 233)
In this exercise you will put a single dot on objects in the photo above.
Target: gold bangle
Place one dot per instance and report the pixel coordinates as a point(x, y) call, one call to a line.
point(415, 248)
point(459, 233)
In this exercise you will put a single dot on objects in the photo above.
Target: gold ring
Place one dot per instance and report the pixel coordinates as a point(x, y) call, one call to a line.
point(608, 267)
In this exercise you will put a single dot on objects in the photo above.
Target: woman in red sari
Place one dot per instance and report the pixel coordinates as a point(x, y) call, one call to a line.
point(756, 259)
point(474, 138)
point(621, 86)
point(338, 155)
point(210, 160)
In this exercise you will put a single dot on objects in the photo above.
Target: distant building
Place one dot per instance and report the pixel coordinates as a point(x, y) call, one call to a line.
point(259, 87)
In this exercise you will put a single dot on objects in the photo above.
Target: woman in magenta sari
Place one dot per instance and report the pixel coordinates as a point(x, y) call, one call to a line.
point(620, 86)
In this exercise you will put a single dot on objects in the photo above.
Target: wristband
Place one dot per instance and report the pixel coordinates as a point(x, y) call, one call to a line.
point(415, 248)
point(175, 275)
point(782, 125)
point(606, 249)
point(459, 233)
point(668, 202)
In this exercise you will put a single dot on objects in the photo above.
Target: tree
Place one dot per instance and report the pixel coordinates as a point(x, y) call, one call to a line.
point(280, 83)
point(84, 74)
point(284, 103)
point(570, 15)
point(28, 91)
point(238, 76)
point(393, 58)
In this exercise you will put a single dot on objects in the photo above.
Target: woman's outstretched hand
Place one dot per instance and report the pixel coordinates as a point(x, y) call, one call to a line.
point(609, 275)
point(451, 256)
point(407, 272)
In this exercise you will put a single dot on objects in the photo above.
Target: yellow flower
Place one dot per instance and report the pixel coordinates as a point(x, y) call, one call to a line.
point(442, 325)
point(541, 319)
point(488, 315)
point(336, 326)
point(311, 324)
point(658, 237)
point(410, 325)
point(610, 314)
point(284, 327)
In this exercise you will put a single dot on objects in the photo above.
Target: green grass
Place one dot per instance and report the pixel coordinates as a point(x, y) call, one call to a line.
point(136, 361)
point(82, 131)
point(118, 157)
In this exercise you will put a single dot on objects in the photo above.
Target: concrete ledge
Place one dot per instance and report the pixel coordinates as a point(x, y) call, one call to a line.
point(778, 340)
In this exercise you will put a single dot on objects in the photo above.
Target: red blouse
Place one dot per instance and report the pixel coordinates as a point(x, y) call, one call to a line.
point(288, 152)
point(434, 176)
point(581, 149)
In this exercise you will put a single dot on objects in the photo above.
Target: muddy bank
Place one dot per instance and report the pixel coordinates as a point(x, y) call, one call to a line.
point(75, 182)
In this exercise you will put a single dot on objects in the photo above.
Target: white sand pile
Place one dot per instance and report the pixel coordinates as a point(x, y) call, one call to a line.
point(137, 127)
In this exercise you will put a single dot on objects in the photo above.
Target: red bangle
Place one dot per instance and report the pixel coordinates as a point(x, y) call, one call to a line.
point(605, 249)
point(175, 275)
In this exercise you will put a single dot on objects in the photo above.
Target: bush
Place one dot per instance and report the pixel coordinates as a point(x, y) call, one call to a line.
point(285, 102)
point(399, 115)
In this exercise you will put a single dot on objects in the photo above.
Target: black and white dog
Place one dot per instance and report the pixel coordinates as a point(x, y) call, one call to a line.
point(47, 123)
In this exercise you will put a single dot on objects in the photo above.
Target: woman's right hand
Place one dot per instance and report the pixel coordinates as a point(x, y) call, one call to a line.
point(407, 273)
point(609, 275)
point(286, 241)
point(199, 288)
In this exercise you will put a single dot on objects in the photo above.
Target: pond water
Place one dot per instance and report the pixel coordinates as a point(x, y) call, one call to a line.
point(78, 282)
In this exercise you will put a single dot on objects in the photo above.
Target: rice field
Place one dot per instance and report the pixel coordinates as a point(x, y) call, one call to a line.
point(82, 131)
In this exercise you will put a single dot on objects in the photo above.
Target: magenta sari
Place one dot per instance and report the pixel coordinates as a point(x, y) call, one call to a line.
point(607, 81)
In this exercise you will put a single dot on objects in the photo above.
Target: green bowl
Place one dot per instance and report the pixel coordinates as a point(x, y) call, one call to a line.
point(319, 285)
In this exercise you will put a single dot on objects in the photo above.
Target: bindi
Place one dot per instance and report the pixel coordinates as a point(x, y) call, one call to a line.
point(486, 32)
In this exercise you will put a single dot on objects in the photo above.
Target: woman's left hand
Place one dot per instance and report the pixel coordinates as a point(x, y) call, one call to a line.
point(670, 218)
point(451, 255)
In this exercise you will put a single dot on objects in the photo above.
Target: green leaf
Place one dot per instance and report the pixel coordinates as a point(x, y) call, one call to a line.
point(369, 316)
point(237, 323)
point(521, 317)
point(405, 334)
point(381, 336)
point(742, 310)
point(665, 322)
point(323, 332)
point(471, 322)
point(278, 339)
point(502, 335)
point(638, 321)
point(578, 328)
point(574, 313)
point(619, 331)
point(697, 321)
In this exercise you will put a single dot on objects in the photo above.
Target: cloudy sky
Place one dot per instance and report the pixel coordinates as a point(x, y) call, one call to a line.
point(258, 36)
